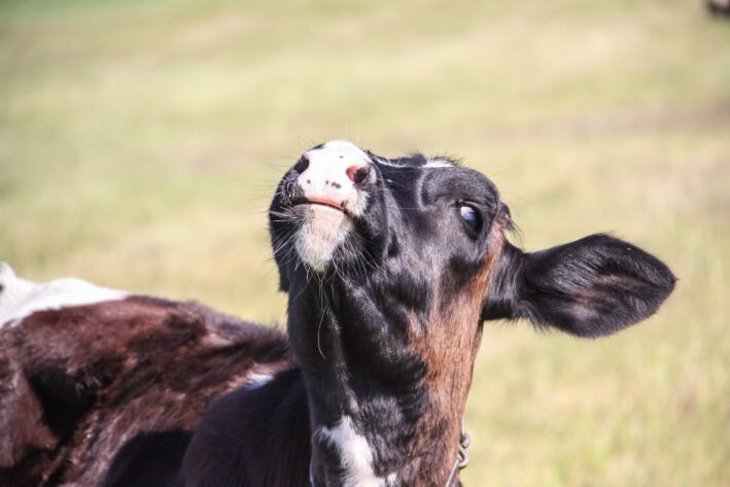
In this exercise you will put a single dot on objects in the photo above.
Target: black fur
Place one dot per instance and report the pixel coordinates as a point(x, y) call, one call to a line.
point(592, 287)
point(253, 437)
point(149, 460)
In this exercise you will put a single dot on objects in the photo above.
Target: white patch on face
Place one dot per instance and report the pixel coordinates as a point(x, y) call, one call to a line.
point(387, 162)
point(21, 298)
point(436, 163)
point(355, 453)
point(326, 179)
point(326, 175)
point(430, 164)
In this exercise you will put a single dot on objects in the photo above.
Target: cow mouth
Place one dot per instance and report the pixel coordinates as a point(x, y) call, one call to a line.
point(321, 202)
point(324, 225)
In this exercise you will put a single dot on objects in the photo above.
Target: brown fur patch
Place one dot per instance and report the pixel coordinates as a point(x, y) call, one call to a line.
point(87, 379)
point(448, 346)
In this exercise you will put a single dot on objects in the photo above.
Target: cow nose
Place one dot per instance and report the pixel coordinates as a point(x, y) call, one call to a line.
point(358, 174)
point(337, 171)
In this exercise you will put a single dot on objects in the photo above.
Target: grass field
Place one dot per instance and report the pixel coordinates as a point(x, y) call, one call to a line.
point(140, 141)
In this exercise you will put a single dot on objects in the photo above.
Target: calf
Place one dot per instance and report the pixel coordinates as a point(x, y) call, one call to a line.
point(391, 268)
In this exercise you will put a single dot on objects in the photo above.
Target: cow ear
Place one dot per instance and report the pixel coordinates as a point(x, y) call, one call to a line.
point(591, 287)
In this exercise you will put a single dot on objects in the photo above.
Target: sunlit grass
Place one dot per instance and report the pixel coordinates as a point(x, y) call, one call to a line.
point(140, 141)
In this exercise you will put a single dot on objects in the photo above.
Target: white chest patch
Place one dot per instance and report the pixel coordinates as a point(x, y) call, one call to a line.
point(355, 453)
point(20, 298)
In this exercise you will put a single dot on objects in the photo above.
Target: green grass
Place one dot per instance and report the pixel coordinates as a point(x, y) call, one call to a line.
point(140, 141)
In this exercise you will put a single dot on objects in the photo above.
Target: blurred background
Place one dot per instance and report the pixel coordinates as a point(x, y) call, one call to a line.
point(140, 142)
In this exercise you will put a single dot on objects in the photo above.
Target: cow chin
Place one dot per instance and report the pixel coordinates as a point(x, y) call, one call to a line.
point(323, 230)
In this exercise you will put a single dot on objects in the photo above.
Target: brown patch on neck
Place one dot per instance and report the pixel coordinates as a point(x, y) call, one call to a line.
point(449, 345)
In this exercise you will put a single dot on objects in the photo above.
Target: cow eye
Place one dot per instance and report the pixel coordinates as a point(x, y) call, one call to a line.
point(471, 218)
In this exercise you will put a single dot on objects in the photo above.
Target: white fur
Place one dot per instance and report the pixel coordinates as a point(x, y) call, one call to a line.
point(436, 163)
point(255, 379)
point(387, 162)
point(328, 165)
point(325, 228)
point(21, 298)
point(355, 452)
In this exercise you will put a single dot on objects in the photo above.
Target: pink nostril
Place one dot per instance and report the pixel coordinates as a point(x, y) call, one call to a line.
point(358, 174)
